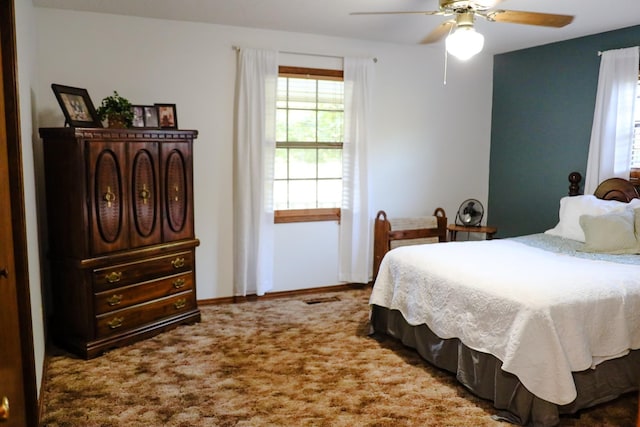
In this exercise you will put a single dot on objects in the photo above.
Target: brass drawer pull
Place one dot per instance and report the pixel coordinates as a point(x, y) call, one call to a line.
point(181, 303)
point(179, 283)
point(145, 194)
point(114, 276)
point(109, 197)
point(4, 409)
point(116, 322)
point(178, 263)
point(114, 300)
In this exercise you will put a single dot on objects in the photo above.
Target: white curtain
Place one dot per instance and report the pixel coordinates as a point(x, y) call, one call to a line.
point(253, 171)
point(355, 228)
point(613, 120)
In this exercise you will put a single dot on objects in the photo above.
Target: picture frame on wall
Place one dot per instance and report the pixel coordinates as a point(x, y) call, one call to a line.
point(150, 116)
point(138, 116)
point(167, 117)
point(76, 106)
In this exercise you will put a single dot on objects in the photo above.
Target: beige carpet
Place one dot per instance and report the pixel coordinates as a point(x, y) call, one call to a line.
point(276, 362)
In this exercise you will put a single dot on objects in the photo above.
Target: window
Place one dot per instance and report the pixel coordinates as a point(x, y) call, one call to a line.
point(635, 151)
point(309, 137)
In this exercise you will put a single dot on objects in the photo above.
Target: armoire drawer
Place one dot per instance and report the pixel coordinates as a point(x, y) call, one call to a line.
point(119, 298)
point(138, 315)
point(119, 275)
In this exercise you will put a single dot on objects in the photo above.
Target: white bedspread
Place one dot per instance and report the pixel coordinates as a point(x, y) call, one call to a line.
point(542, 314)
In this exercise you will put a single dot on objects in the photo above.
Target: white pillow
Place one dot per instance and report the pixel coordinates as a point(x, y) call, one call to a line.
point(634, 203)
point(573, 207)
point(611, 233)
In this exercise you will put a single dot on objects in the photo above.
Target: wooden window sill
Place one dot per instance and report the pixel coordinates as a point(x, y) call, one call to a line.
point(306, 215)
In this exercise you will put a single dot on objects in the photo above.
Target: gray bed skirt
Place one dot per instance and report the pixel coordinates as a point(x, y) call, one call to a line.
point(481, 373)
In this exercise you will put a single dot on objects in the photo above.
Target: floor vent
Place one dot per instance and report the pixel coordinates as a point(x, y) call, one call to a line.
point(319, 300)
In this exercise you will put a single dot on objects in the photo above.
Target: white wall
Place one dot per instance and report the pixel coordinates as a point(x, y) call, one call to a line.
point(429, 146)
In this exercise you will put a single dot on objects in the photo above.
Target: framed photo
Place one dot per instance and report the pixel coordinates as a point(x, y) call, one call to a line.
point(150, 116)
point(77, 106)
point(167, 116)
point(138, 116)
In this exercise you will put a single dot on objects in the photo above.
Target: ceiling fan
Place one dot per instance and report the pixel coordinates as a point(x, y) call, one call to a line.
point(465, 42)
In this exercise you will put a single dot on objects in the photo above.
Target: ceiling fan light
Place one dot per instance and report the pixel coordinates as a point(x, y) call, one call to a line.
point(465, 42)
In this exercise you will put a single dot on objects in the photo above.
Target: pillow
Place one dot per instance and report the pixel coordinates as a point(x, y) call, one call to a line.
point(573, 207)
point(634, 203)
point(612, 233)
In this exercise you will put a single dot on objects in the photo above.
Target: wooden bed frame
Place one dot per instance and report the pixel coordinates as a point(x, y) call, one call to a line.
point(610, 189)
point(384, 235)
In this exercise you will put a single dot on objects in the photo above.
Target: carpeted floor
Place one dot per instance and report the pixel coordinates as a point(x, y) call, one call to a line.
point(275, 362)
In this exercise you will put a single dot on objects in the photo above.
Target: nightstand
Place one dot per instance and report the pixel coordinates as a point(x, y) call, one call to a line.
point(454, 228)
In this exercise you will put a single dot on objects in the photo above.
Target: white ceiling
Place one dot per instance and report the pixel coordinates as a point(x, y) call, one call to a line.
point(331, 17)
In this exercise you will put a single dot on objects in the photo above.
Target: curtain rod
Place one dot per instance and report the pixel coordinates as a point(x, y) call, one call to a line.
point(306, 54)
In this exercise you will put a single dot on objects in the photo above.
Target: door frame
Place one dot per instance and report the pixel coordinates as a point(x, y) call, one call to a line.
point(14, 152)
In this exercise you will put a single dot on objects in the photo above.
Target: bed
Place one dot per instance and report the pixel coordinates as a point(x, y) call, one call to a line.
point(542, 325)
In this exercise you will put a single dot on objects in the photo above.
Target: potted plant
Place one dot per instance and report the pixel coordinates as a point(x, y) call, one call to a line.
point(117, 110)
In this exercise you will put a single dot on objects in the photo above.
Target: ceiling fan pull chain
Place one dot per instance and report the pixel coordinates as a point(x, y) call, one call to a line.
point(446, 57)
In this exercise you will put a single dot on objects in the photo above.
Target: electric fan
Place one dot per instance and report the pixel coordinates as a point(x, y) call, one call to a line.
point(470, 213)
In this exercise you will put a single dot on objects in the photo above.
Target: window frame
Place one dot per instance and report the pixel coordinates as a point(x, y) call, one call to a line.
point(283, 216)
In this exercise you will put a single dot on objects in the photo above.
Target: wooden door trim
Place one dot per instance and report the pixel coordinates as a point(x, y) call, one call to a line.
point(16, 185)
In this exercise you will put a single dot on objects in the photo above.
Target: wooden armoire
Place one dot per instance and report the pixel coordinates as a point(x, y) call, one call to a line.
point(121, 242)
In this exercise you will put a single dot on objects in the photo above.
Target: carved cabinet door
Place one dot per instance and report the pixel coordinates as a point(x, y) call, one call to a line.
point(177, 176)
point(108, 190)
point(145, 224)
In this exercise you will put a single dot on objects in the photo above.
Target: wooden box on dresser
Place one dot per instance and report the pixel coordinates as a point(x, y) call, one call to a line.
point(121, 239)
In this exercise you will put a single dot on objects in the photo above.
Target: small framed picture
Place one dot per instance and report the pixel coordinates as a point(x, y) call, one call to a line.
point(167, 116)
point(150, 116)
point(138, 116)
point(77, 106)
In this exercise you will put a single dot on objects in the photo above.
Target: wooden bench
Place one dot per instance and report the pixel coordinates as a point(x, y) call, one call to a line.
point(391, 233)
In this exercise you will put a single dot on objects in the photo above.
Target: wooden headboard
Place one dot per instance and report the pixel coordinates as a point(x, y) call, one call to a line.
point(384, 237)
point(609, 189)
point(616, 189)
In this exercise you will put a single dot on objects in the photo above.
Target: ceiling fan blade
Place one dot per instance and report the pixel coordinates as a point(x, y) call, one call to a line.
point(529, 18)
point(440, 31)
point(423, 12)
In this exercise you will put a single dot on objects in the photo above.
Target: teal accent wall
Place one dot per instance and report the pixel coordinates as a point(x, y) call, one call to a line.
point(543, 103)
